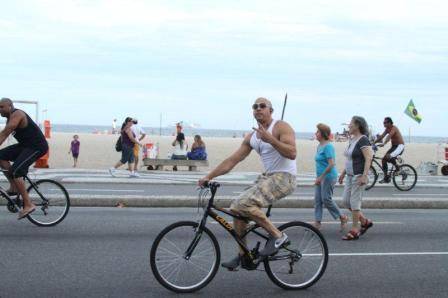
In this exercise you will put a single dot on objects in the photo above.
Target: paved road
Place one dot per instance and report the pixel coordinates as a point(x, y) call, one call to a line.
point(104, 253)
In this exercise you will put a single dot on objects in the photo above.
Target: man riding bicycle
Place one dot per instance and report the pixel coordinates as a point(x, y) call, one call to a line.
point(397, 148)
point(274, 141)
point(31, 145)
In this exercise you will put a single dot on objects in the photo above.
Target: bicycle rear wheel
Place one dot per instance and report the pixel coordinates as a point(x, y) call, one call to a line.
point(52, 202)
point(303, 262)
point(404, 177)
point(173, 269)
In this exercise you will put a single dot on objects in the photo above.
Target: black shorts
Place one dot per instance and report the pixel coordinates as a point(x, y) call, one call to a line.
point(23, 158)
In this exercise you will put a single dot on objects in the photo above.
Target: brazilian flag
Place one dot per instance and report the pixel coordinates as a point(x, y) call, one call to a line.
point(412, 112)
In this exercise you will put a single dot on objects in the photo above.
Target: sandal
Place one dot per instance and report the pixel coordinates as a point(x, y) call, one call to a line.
point(317, 225)
point(364, 227)
point(352, 235)
point(23, 213)
point(344, 221)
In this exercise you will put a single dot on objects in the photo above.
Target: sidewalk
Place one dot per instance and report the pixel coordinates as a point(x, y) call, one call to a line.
point(158, 179)
point(185, 178)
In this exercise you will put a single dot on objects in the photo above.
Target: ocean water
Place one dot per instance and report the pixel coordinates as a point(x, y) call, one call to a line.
point(169, 131)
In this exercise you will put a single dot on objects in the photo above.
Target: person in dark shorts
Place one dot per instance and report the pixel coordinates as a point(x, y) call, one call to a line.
point(74, 149)
point(31, 145)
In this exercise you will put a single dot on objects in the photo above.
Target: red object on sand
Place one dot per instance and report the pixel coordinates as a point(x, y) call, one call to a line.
point(42, 162)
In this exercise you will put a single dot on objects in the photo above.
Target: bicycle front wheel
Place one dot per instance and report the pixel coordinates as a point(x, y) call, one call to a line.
point(52, 202)
point(405, 177)
point(373, 177)
point(175, 270)
point(302, 263)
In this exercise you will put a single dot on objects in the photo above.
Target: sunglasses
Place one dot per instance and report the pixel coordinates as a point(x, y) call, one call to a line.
point(257, 106)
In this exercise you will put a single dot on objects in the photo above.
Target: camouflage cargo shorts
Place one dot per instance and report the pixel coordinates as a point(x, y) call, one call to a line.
point(268, 189)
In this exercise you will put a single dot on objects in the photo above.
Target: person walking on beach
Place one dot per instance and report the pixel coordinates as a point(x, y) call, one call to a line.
point(139, 135)
point(127, 152)
point(327, 176)
point(394, 135)
point(114, 126)
point(74, 150)
point(31, 145)
point(358, 160)
point(275, 142)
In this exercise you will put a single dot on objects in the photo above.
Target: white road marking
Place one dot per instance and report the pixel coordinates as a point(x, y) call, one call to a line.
point(421, 194)
point(330, 222)
point(101, 190)
point(382, 254)
point(295, 193)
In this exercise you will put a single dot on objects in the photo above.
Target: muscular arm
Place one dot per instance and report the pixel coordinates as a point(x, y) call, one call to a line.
point(286, 144)
point(380, 138)
point(12, 124)
point(228, 164)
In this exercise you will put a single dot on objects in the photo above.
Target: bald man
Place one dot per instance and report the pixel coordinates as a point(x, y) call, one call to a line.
point(31, 145)
point(275, 142)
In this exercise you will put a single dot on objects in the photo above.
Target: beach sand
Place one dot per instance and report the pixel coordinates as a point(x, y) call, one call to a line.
point(98, 152)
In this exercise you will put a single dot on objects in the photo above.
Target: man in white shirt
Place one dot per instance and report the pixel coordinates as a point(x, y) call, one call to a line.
point(139, 134)
point(275, 142)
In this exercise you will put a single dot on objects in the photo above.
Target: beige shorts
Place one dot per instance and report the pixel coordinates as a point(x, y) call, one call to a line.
point(353, 193)
point(268, 189)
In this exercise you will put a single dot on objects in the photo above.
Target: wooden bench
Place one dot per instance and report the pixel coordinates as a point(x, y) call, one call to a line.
point(158, 164)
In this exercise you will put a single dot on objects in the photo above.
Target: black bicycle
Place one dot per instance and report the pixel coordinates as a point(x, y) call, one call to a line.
point(185, 256)
point(404, 176)
point(50, 197)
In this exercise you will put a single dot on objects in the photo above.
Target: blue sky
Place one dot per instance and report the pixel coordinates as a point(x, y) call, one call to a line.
point(205, 62)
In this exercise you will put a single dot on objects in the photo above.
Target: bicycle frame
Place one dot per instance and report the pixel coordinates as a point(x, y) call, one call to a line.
point(14, 202)
point(391, 170)
point(227, 226)
point(7, 197)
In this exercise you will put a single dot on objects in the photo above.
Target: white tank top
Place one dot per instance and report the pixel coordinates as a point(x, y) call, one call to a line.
point(273, 161)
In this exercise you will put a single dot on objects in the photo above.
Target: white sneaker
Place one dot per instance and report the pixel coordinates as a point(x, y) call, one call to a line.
point(134, 175)
point(112, 172)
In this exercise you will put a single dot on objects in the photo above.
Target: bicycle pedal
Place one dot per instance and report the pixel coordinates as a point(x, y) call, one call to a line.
point(286, 244)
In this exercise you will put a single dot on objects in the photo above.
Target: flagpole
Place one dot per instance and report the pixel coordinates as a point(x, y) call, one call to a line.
point(284, 105)
point(409, 134)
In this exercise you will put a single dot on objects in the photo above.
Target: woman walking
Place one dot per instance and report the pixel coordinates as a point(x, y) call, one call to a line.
point(326, 176)
point(127, 153)
point(358, 160)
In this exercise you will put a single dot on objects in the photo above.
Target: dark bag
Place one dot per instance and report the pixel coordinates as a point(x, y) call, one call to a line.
point(198, 154)
point(119, 145)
